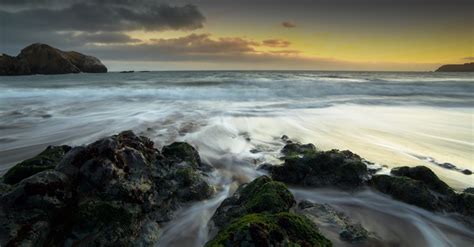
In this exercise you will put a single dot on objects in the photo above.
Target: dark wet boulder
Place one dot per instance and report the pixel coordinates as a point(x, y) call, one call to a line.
point(292, 149)
point(406, 189)
point(28, 211)
point(261, 195)
point(467, 172)
point(306, 166)
point(425, 175)
point(463, 203)
point(419, 186)
point(182, 152)
point(331, 220)
point(281, 229)
point(46, 160)
point(43, 59)
point(469, 190)
point(104, 194)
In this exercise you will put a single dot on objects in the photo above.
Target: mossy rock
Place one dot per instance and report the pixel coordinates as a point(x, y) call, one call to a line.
point(46, 160)
point(182, 151)
point(424, 174)
point(282, 229)
point(464, 204)
point(292, 149)
point(314, 168)
point(192, 186)
point(96, 213)
point(406, 189)
point(263, 195)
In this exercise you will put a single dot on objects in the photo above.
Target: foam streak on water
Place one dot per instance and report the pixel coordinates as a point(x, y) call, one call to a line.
point(392, 119)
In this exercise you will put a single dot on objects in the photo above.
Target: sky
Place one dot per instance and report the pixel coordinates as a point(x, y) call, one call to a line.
point(406, 35)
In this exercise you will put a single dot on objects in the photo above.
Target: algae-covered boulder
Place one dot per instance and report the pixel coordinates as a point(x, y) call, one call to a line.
point(281, 229)
point(419, 186)
point(258, 214)
point(304, 165)
point(261, 195)
point(406, 189)
point(182, 152)
point(424, 174)
point(108, 193)
point(46, 160)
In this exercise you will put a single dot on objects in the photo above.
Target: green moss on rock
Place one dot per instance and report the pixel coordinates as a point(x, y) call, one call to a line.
point(309, 167)
point(96, 212)
point(406, 189)
point(182, 151)
point(46, 160)
point(263, 195)
point(424, 174)
point(282, 229)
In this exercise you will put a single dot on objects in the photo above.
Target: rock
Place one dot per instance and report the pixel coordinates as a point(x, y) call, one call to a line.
point(182, 152)
point(261, 195)
point(297, 149)
point(406, 189)
point(29, 209)
point(281, 229)
point(326, 216)
point(110, 192)
point(86, 64)
point(44, 59)
point(306, 166)
point(467, 172)
point(469, 190)
point(464, 204)
point(424, 174)
point(46, 160)
point(467, 67)
point(257, 214)
point(12, 66)
point(419, 186)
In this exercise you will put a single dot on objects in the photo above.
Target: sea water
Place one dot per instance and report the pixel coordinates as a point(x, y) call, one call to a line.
point(236, 118)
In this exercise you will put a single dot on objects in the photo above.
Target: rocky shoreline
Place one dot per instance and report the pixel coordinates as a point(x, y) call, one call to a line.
point(120, 191)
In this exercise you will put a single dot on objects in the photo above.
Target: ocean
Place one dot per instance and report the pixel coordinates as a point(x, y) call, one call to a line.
point(388, 118)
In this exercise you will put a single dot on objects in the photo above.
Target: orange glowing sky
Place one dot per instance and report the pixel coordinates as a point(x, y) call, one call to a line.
point(303, 34)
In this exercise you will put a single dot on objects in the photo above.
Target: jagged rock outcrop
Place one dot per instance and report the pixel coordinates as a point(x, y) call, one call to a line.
point(103, 194)
point(44, 59)
point(467, 67)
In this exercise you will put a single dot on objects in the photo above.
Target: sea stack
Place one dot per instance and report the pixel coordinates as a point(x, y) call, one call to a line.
point(44, 59)
point(467, 67)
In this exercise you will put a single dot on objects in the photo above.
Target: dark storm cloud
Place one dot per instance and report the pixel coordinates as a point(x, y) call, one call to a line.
point(288, 24)
point(73, 23)
point(99, 17)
